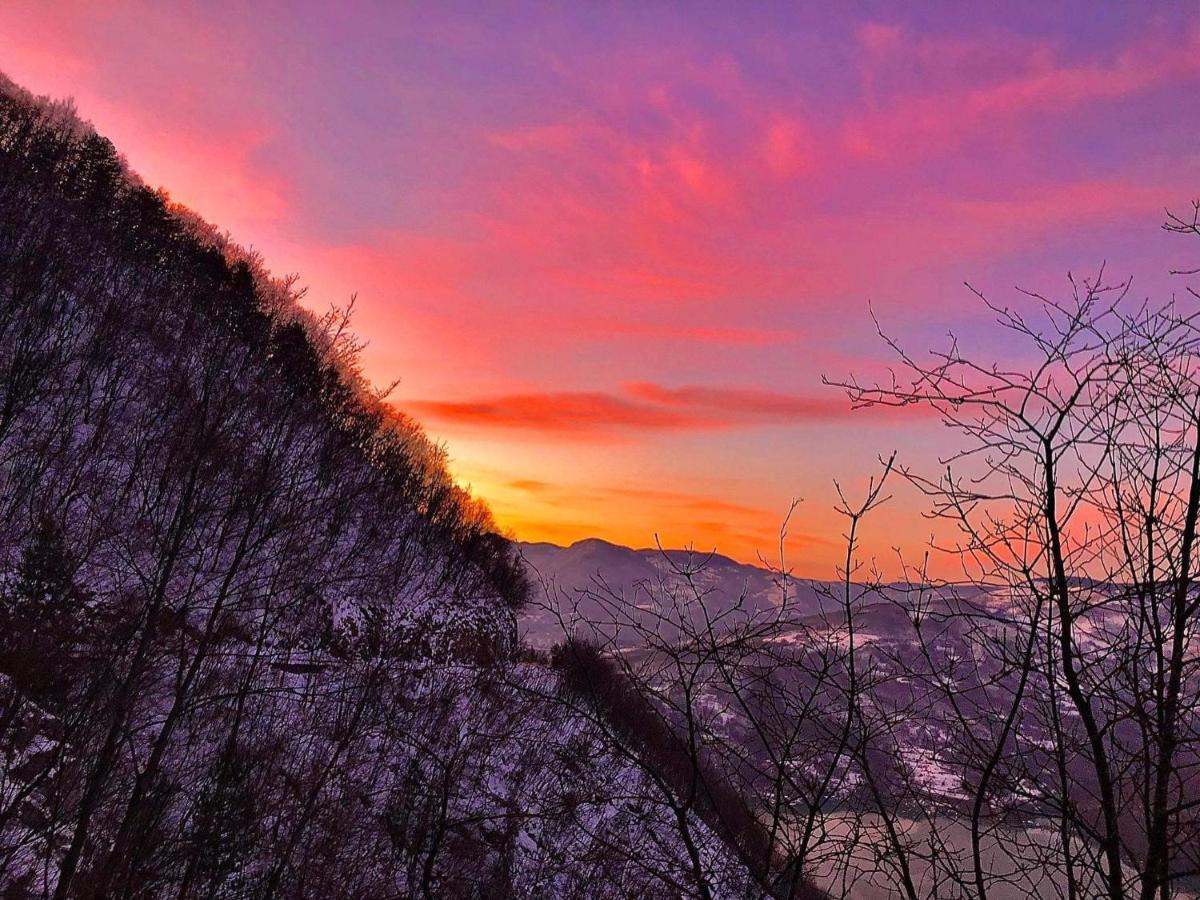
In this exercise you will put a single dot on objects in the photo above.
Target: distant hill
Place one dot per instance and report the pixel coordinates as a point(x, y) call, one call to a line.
point(572, 585)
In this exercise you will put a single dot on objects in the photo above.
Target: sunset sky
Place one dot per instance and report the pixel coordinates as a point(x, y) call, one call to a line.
point(610, 249)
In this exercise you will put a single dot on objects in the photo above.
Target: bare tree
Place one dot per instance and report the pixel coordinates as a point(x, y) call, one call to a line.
point(1073, 501)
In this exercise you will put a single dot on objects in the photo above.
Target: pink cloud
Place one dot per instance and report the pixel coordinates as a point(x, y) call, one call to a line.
point(974, 87)
point(878, 37)
point(743, 405)
point(789, 149)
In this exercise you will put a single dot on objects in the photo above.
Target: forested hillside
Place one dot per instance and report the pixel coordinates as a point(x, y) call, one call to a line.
point(255, 642)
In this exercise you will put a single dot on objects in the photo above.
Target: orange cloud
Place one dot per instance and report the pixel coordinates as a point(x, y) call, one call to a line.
point(531, 485)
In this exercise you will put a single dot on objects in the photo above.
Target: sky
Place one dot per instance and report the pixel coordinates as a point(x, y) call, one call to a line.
point(610, 250)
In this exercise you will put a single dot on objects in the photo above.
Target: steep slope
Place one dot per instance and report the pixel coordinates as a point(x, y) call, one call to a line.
point(254, 640)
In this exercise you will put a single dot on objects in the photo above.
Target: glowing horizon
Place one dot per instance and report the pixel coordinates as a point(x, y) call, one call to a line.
point(610, 252)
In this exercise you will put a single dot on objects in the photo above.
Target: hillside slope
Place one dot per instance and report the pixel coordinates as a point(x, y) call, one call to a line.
point(254, 640)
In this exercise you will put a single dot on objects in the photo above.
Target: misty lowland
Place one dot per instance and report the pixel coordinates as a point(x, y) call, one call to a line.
point(258, 639)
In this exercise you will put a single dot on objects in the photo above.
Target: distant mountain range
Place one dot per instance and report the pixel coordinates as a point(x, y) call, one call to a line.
point(577, 586)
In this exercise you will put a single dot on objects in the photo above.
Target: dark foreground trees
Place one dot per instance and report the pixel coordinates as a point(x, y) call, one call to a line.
point(1077, 488)
point(194, 488)
point(1030, 727)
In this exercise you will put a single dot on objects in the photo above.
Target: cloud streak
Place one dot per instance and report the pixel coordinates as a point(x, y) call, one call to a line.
point(636, 407)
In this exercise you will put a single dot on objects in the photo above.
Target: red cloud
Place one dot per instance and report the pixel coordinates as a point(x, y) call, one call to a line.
point(563, 412)
point(641, 406)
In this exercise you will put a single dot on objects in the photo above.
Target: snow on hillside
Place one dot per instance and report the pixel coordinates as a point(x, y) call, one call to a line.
point(254, 640)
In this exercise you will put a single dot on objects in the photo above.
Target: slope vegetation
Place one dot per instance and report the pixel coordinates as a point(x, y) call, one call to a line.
point(254, 641)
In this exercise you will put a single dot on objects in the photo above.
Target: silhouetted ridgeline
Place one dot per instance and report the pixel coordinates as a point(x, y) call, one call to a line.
point(254, 641)
point(132, 277)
